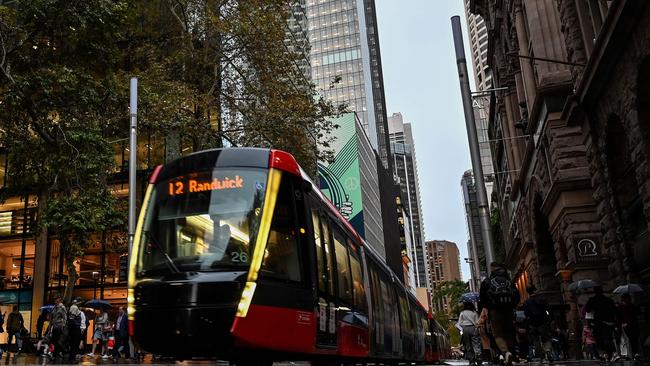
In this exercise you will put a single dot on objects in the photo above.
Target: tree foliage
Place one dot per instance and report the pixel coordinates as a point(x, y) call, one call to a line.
point(210, 71)
point(228, 70)
point(451, 290)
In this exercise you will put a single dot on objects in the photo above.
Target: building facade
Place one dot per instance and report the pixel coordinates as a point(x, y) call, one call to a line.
point(572, 139)
point(444, 265)
point(475, 245)
point(351, 181)
point(478, 44)
point(346, 63)
point(406, 175)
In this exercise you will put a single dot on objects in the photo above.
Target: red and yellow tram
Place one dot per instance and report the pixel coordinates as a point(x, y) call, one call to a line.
point(238, 255)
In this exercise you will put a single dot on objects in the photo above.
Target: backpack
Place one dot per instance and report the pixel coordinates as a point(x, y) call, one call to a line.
point(74, 320)
point(501, 292)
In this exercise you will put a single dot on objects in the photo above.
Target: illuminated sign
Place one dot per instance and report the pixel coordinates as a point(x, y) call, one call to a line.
point(196, 185)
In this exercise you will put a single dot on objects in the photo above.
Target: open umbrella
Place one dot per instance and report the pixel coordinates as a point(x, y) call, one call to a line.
point(98, 304)
point(630, 288)
point(583, 285)
point(469, 297)
point(47, 308)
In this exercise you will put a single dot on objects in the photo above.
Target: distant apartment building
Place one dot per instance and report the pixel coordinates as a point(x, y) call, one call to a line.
point(406, 175)
point(346, 63)
point(444, 265)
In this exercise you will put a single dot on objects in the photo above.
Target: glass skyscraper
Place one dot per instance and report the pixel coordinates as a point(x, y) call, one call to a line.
point(406, 173)
point(346, 63)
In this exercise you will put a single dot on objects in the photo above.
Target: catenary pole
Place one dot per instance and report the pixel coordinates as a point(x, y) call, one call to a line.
point(133, 145)
point(483, 208)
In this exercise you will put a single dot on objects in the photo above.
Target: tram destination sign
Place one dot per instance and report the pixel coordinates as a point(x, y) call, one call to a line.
point(183, 186)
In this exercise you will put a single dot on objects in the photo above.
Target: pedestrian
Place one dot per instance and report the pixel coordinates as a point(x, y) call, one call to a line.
point(539, 330)
point(84, 330)
point(58, 324)
point(588, 341)
point(14, 327)
point(500, 296)
point(74, 332)
point(2, 330)
point(521, 325)
point(122, 332)
point(40, 322)
point(468, 321)
point(483, 329)
point(629, 325)
point(101, 320)
point(603, 311)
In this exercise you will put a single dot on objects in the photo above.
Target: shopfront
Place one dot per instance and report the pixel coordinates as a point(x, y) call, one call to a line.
point(17, 220)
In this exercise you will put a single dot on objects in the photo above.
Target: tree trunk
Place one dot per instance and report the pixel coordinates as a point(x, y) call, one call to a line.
point(72, 279)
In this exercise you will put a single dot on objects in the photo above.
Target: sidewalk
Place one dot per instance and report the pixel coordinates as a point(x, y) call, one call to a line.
point(32, 359)
point(557, 363)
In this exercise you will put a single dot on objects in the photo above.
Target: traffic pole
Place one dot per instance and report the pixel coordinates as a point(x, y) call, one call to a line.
point(133, 146)
point(472, 136)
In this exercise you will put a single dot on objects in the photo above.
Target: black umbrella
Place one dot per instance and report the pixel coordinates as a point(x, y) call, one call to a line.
point(98, 304)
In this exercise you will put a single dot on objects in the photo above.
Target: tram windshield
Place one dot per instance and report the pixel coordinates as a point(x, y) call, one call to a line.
point(202, 221)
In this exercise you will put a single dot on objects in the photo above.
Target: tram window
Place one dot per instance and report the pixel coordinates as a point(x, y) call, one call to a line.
point(343, 267)
point(360, 300)
point(329, 255)
point(322, 275)
point(281, 256)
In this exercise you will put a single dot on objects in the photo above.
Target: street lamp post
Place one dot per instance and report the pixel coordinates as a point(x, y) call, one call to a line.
point(133, 143)
point(475, 152)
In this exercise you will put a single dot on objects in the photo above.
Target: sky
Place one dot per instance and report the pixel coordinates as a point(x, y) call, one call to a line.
point(421, 82)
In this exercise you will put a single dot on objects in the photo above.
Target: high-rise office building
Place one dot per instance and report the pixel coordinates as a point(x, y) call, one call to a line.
point(406, 174)
point(475, 248)
point(478, 42)
point(346, 63)
point(444, 266)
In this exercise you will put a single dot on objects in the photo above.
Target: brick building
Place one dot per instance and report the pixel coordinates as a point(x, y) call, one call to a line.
point(443, 260)
point(573, 142)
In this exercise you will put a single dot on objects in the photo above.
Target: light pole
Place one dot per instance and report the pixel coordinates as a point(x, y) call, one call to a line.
point(133, 143)
point(472, 136)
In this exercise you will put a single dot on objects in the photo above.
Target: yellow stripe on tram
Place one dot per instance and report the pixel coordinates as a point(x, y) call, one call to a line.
point(272, 188)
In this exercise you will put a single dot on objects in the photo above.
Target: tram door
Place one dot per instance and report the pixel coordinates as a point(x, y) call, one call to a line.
point(325, 295)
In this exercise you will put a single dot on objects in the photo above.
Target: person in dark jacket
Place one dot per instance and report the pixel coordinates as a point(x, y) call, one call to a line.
point(603, 312)
point(14, 326)
point(121, 332)
point(42, 317)
point(75, 330)
point(539, 328)
point(59, 322)
point(628, 322)
point(500, 296)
